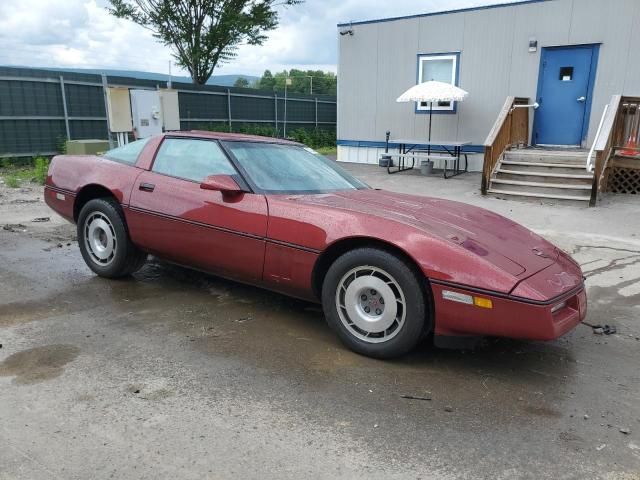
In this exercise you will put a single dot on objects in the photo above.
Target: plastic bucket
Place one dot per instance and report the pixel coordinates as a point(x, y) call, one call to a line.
point(385, 161)
point(426, 167)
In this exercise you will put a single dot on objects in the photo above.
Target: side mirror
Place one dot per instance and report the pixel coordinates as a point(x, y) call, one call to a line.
point(221, 183)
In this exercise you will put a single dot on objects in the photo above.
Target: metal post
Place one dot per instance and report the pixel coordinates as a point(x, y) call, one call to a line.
point(64, 107)
point(229, 107)
point(105, 86)
point(430, 118)
point(275, 97)
point(285, 108)
point(316, 112)
point(311, 86)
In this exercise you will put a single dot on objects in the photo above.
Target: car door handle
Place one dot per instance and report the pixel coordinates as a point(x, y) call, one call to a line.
point(147, 187)
point(581, 99)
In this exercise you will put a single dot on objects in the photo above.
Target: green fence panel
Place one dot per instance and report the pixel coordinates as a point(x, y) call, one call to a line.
point(32, 116)
point(30, 99)
point(84, 101)
point(202, 106)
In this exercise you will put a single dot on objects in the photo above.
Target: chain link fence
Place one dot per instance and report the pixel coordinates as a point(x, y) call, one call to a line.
point(40, 109)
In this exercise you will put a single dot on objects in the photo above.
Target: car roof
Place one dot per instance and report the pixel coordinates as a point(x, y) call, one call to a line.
point(231, 137)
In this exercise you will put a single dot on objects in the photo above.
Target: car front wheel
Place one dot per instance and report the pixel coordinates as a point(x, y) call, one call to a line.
point(104, 240)
point(375, 301)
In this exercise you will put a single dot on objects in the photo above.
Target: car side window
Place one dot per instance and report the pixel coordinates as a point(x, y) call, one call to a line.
point(128, 153)
point(191, 159)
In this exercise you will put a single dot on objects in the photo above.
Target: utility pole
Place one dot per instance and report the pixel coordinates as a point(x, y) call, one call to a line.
point(105, 87)
point(169, 83)
point(287, 82)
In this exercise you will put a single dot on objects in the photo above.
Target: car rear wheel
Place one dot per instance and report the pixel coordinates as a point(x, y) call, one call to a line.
point(376, 303)
point(104, 240)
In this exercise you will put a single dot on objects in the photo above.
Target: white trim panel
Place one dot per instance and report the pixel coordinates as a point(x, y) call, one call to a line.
point(371, 155)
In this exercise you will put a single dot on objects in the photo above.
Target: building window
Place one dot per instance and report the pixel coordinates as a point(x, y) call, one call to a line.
point(441, 68)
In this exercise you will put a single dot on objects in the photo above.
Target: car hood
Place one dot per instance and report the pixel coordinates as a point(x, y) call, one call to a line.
point(506, 244)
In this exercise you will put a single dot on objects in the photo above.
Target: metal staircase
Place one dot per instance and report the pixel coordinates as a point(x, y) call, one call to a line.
point(542, 174)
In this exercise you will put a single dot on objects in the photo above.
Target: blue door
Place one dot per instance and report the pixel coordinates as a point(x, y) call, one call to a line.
point(564, 94)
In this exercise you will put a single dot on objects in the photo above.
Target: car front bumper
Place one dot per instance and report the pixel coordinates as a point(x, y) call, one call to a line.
point(508, 316)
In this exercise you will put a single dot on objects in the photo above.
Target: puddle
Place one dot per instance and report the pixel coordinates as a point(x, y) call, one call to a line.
point(38, 364)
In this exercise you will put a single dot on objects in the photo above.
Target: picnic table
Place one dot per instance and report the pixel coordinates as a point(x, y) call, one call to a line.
point(448, 151)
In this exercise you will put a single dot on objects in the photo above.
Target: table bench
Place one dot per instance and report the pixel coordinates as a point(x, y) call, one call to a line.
point(449, 151)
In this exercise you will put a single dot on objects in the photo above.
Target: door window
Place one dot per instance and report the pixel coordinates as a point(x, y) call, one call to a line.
point(566, 74)
point(191, 159)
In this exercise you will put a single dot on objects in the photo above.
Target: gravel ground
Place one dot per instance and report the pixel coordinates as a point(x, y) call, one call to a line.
point(178, 374)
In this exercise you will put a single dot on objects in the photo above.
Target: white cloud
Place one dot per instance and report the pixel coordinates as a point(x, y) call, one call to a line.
point(81, 33)
point(75, 33)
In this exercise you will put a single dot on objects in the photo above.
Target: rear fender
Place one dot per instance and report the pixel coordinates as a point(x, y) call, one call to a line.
point(75, 179)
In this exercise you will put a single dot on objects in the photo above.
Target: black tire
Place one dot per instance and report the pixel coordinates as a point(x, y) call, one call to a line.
point(124, 258)
point(413, 289)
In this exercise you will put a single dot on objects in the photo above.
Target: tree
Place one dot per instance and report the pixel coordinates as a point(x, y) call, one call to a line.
point(203, 33)
point(241, 82)
point(267, 82)
point(324, 83)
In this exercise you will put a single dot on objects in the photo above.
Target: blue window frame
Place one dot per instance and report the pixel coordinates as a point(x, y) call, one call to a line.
point(442, 67)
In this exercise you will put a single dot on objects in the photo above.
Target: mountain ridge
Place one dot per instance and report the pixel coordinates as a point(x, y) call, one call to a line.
point(220, 80)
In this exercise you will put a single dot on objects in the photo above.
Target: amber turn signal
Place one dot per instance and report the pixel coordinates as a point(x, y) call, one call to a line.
point(468, 299)
point(482, 302)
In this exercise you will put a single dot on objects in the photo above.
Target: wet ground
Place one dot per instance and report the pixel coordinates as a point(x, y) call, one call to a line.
point(178, 374)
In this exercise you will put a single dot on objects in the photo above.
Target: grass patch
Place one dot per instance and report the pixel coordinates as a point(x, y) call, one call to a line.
point(14, 176)
point(314, 138)
point(40, 170)
point(327, 150)
point(12, 181)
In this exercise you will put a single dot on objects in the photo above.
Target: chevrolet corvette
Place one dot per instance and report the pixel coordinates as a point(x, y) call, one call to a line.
point(389, 269)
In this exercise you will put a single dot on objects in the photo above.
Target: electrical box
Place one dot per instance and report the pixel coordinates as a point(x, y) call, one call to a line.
point(170, 110)
point(146, 110)
point(119, 110)
point(86, 147)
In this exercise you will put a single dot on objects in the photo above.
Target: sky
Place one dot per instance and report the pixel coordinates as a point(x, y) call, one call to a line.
point(82, 34)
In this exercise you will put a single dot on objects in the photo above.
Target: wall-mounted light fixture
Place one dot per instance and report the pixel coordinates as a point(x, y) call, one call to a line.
point(533, 45)
point(346, 30)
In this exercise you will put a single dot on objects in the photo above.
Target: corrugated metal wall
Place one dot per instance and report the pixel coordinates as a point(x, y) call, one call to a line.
point(379, 62)
point(32, 116)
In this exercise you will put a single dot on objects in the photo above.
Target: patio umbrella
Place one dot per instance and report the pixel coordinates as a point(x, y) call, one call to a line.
point(433, 91)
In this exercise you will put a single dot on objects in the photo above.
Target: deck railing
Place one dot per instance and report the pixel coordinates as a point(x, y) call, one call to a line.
point(619, 138)
point(511, 128)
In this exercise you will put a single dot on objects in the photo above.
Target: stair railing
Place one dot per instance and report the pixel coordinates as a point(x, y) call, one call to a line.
point(589, 165)
point(622, 130)
point(510, 128)
point(604, 145)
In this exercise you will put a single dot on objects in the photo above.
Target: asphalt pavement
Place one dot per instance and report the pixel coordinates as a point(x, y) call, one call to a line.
point(178, 374)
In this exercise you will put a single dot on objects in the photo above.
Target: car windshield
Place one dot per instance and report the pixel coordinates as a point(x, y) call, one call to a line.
point(277, 168)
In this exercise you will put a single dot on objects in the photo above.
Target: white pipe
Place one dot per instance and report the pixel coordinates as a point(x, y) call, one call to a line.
point(595, 140)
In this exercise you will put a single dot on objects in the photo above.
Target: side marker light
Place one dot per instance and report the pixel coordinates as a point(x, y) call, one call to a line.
point(467, 299)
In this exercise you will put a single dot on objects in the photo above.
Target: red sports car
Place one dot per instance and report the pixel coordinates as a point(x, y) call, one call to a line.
point(388, 268)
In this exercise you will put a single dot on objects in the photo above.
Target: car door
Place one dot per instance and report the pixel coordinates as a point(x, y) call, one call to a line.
point(173, 218)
